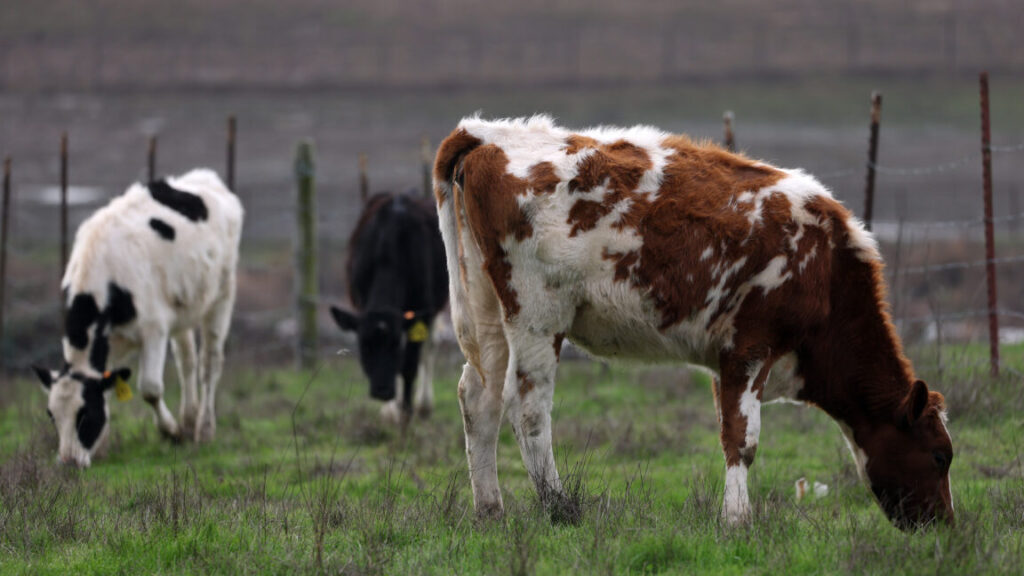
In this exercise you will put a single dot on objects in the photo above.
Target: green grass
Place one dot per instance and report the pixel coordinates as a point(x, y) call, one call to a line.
point(336, 491)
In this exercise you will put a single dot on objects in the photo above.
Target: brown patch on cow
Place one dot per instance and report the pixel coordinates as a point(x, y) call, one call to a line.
point(576, 142)
point(559, 338)
point(449, 154)
point(619, 167)
point(526, 384)
point(493, 213)
point(623, 262)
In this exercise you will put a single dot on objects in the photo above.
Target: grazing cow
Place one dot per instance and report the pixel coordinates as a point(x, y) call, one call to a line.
point(398, 284)
point(638, 244)
point(151, 267)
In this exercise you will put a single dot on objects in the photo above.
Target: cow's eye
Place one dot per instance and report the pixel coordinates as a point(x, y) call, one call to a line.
point(941, 460)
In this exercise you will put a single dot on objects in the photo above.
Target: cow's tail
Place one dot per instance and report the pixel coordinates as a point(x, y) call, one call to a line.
point(448, 164)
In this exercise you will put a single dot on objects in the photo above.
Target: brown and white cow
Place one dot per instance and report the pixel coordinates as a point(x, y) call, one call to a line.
point(634, 243)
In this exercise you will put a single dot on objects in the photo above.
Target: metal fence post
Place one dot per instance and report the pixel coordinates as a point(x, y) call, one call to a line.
point(306, 256)
point(232, 128)
point(869, 190)
point(151, 160)
point(5, 216)
point(364, 180)
point(990, 250)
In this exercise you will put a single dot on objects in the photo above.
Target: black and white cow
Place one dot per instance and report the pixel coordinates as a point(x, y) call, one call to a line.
point(398, 284)
point(151, 267)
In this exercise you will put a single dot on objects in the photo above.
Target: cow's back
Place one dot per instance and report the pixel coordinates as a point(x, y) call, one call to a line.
point(646, 244)
point(397, 235)
point(173, 255)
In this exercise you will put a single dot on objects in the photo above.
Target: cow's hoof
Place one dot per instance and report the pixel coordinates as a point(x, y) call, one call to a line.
point(205, 432)
point(424, 411)
point(172, 435)
point(188, 426)
point(490, 513)
point(391, 414)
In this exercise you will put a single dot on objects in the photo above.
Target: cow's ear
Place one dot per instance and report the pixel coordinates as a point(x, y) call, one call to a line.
point(916, 401)
point(110, 378)
point(46, 377)
point(345, 319)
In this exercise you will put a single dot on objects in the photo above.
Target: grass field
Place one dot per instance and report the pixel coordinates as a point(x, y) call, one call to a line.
point(304, 478)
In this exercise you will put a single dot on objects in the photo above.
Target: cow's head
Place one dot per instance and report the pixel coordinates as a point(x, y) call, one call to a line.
point(381, 335)
point(77, 405)
point(908, 461)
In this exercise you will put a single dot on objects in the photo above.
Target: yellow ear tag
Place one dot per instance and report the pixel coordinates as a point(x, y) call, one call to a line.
point(418, 332)
point(122, 390)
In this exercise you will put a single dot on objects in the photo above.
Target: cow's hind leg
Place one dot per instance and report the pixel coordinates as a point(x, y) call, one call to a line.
point(214, 332)
point(481, 404)
point(151, 382)
point(529, 393)
point(739, 406)
point(183, 345)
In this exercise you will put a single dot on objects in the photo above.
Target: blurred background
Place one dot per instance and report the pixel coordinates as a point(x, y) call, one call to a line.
point(376, 78)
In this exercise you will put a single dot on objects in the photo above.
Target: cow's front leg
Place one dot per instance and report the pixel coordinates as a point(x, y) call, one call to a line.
point(151, 383)
point(739, 405)
point(529, 393)
point(424, 404)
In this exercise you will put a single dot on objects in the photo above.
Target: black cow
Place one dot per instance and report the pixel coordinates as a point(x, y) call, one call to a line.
point(398, 283)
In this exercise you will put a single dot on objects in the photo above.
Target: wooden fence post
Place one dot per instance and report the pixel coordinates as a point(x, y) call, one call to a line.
point(990, 250)
point(232, 128)
point(3, 244)
point(425, 160)
point(364, 180)
point(306, 256)
point(869, 190)
point(730, 138)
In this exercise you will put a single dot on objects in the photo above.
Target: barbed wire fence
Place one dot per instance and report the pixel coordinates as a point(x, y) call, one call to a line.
point(937, 299)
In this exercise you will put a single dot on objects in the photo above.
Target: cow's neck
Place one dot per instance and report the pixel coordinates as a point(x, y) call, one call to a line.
point(854, 367)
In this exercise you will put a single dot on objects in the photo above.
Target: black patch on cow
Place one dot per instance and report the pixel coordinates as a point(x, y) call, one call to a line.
point(120, 306)
point(92, 416)
point(100, 350)
point(187, 204)
point(80, 316)
point(165, 230)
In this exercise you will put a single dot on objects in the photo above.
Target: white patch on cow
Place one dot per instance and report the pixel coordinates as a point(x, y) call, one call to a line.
point(771, 277)
point(783, 385)
point(736, 505)
point(860, 458)
point(707, 253)
point(943, 419)
point(750, 407)
point(811, 254)
point(862, 241)
point(64, 402)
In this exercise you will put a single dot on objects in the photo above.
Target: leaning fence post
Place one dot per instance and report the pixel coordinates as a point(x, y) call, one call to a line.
point(3, 243)
point(364, 180)
point(869, 190)
point(990, 250)
point(232, 127)
point(305, 256)
point(151, 160)
point(730, 138)
point(425, 161)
